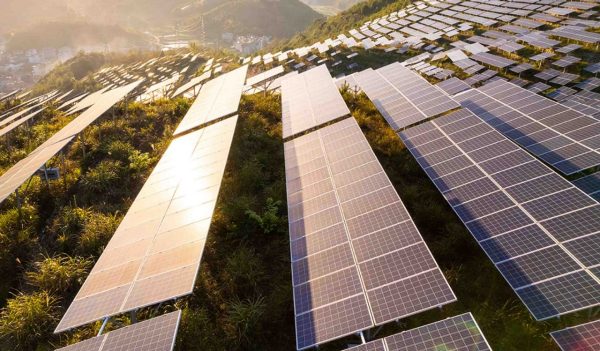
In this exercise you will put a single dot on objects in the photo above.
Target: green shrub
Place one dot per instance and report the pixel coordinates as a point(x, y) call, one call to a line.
point(102, 178)
point(27, 320)
point(58, 274)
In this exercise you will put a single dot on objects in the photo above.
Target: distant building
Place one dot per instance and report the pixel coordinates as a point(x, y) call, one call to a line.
point(250, 44)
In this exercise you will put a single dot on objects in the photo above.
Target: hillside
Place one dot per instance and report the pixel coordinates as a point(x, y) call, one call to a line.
point(75, 35)
point(344, 21)
point(277, 18)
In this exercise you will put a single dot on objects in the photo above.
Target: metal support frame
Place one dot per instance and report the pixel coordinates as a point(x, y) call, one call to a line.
point(104, 323)
point(133, 316)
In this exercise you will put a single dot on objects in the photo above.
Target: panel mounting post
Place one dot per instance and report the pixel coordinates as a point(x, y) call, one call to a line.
point(104, 322)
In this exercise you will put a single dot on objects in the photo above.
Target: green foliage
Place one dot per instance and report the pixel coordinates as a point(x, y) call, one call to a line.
point(58, 274)
point(245, 318)
point(271, 219)
point(28, 319)
point(99, 228)
point(102, 178)
point(245, 270)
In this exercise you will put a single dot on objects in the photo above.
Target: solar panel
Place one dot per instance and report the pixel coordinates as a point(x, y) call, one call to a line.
point(395, 107)
point(192, 83)
point(19, 122)
point(540, 231)
point(72, 101)
point(218, 98)
point(347, 223)
point(155, 252)
point(156, 334)
point(492, 60)
point(460, 333)
point(562, 137)
point(9, 95)
point(584, 337)
point(12, 179)
point(576, 33)
point(310, 99)
point(590, 185)
point(265, 76)
point(428, 99)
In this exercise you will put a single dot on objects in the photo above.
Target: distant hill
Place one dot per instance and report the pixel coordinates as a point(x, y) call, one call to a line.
point(330, 6)
point(75, 35)
point(278, 18)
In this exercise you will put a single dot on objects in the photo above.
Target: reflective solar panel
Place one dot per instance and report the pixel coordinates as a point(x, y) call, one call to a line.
point(561, 137)
point(12, 179)
point(358, 259)
point(460, 333)
point(265, 76)
point(155, 252)
point(584, 337)
point(218, 98)
point(428, 99)
point(395, 107)
point(492, 60)
point(156, 334)
point(310, 99)
point(539, 230)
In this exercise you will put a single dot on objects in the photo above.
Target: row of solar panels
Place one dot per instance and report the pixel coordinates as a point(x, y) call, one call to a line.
point(155, 253)
point(358, 259)
point(540, 231)
point(350, 252)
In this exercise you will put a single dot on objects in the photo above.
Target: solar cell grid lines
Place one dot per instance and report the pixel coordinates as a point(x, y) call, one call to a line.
point(560, 136)
point(590, 185)
point(156, 334)
point(346, 223)
point(310, 99)
point(428, 99)
point(218, 98)
point(539, 230)
point(584, 337)
point(453, 86)
point(460, 333)
point(163, 233)
point(492, 60)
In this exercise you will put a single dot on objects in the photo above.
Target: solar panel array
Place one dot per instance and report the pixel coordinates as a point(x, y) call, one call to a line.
point(310, 99)
point(12, 179)
point(358, 259)
point(429, 100)
point(453, 86)
point(155, 252)
point(395, 107)
point(562, 137)
point(584, 337)
point(218, 98)
point(460, 333)
point(156, 334)
point(541, 232)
